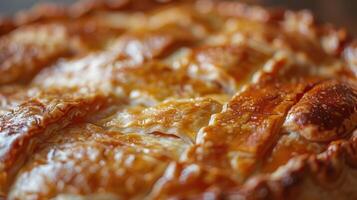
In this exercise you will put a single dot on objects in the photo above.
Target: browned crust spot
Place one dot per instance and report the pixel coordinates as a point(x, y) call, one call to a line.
point(325, 113)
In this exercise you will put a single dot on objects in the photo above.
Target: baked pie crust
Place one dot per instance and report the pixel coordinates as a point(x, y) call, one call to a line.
point(133, 99)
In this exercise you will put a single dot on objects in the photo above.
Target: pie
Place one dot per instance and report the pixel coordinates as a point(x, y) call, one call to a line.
point(144, 99)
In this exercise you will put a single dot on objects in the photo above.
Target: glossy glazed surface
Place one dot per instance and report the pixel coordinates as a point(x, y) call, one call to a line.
point(184, 99)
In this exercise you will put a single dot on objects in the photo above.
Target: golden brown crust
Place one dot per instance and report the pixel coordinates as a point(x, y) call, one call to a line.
point(130, 99)
point(26, 50)
point(6, 25)
point(325, 113)
point(34, 120)
point(328, 175)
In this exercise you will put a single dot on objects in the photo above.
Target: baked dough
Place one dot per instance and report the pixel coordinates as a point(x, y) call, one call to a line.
point(144, 99)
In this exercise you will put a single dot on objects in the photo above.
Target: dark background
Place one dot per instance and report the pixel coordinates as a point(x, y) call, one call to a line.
point(342, 13)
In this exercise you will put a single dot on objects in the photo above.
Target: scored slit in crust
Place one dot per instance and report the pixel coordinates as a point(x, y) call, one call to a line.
point(182, 99)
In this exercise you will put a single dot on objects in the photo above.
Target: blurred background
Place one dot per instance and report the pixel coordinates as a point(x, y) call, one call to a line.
point(342, 13)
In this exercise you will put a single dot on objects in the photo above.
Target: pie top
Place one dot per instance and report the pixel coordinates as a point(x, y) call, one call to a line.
point(132, 99)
